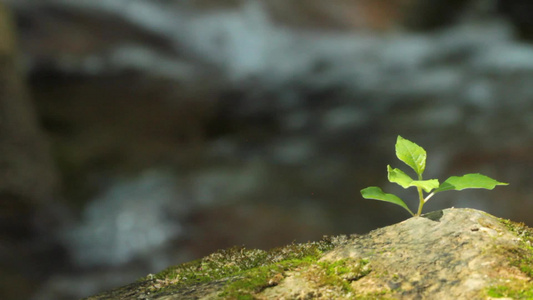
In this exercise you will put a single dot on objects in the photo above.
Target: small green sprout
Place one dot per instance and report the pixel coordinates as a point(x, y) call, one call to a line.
point(415, 157)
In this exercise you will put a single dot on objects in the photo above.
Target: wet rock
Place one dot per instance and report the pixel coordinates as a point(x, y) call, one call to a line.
point(520, 12)
point(122, 225)
point(426, 15)
point(339, 14)
point(447, 254)
point(366, 15)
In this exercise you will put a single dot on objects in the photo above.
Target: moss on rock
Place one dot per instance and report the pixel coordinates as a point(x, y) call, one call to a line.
point(520, 258)
point(449, 254)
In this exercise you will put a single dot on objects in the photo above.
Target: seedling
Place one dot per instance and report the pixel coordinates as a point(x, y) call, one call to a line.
point(415, 157)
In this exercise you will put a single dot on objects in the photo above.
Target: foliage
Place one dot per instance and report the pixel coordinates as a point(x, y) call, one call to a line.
point(415, 157)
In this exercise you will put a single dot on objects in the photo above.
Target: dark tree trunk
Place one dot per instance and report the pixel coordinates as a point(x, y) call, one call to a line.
point(28, 180)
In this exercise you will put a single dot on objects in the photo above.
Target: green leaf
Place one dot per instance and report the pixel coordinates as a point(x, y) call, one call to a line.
point(398, 176)
point(469, 181)
point(411, 154)
point(426, 185)
point(375, 193)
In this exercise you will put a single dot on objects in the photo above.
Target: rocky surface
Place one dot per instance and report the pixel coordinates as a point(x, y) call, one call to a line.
point(447, 254)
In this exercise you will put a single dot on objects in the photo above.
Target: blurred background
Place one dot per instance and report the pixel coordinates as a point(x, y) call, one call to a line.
point(140, 134)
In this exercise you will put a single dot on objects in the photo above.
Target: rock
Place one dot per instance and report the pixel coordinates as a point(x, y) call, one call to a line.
point(447, 254)
point(519, 12)
point(428, 15)
point(339, 14)
point(383, 15)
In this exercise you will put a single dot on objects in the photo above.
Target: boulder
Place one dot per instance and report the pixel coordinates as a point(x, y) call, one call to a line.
point(447, 254)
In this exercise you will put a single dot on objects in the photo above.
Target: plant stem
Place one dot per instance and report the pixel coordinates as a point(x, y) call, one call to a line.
point(429, 196)
point(421, 198)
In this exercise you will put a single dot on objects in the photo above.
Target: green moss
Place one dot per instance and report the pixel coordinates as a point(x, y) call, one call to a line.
point(513, 292)
point(331, 274)
point(324, 274)
point(256, 280)
point(342, 272)
point(521, 258)
point(248, 268)
point(247, 272)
